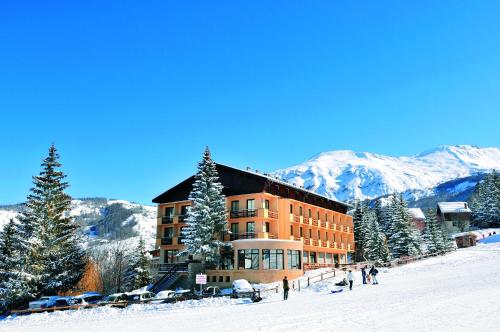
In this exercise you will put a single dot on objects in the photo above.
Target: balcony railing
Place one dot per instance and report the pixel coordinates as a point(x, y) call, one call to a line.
point(323, 224)
point(243, 213)
point(272, 214)
point(166, 240)
point(167, 220)
point(314, 222)
point(181, 217)
point(296, 218)
point(307, 242)
point(243, 236)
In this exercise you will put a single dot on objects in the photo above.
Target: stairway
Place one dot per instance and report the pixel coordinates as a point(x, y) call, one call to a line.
point(172, 274)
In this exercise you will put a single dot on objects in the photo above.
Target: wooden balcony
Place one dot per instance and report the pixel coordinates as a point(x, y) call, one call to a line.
point(165, 220)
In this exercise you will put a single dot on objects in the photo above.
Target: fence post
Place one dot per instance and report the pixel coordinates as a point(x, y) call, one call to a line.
point(321, 276)
point(299, 285)
point(293, 284)
point(334, 273)
point(308, 281)
point(276, 289)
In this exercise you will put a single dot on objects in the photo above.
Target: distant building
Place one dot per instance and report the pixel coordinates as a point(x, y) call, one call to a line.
point(418, 218)
point(465, 240)
point(455, 216)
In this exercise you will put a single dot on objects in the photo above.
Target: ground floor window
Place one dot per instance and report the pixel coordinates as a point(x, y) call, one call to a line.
point(293, 259)
point(329, 259)
point(306, 257)
point(312, 258)
point(170, 256)
point(248, 259)
point(336, 258)
point(272, 259)
point(321, 258)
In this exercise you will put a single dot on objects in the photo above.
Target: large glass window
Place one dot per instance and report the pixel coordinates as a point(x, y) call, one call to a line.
point(266, 204)
point(272, 259)
point(291, 208)
point(266, 227)
point(169, 212)
point(235, 205)
point(250, 227)
point(168, 232)
point(294, 259)
point(248, 259)
point(184, 209)
point(312, 257)
point(300, 210)
point(235, 228)
point(170, 256)
point(329, 259)
point(321, 258)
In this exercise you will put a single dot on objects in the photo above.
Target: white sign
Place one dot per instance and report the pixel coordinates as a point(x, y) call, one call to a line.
point(201, 279)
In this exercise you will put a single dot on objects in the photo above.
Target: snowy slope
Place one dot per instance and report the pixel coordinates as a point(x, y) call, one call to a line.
point(103, 220)
point(346, 175)
point(456, 292)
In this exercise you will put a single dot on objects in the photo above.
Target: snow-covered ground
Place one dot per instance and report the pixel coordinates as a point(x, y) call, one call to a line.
point(459, 291)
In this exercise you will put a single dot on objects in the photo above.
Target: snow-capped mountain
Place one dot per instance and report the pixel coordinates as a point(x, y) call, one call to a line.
point(103, 220)
point(346, 175)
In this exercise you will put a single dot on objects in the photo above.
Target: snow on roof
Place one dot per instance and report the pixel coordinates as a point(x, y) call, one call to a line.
point(416, 213)
point(453, 207)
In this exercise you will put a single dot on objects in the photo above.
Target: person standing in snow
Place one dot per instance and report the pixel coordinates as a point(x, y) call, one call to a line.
point(373, 272)
point(350, 278)
point(286, 288)
point(363, 274)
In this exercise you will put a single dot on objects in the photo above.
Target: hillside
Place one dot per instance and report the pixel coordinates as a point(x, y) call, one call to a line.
point(346, 175)
point(103, 220)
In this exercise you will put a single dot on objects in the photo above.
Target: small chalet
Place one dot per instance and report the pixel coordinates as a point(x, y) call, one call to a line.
point(418, 218)
point(454, 215)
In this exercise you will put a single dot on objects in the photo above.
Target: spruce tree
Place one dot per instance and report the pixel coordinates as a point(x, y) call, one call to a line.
point(53, 258)
point(485, 202)
point(137, 274)
point(404, 239)
point(359, 230)
point(375, 244)
point(206, 217)
point(433, 236)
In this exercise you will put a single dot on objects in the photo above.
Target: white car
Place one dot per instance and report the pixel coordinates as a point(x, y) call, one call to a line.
point(142, 297)
point(44, 302)
point(167, 296)
point(242, 288)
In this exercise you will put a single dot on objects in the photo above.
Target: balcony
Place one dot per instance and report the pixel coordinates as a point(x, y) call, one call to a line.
point(307, 242)
point(166, 241)
point(243, 236)
point(165, 220)
point(324, 224)
point(314, 222)
point(243, 214)
point(181, 218)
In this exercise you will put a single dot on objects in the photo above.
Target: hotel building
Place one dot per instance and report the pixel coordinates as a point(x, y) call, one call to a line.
point(275, 228)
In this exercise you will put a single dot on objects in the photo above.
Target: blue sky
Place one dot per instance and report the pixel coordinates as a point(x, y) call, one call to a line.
point(132, 91)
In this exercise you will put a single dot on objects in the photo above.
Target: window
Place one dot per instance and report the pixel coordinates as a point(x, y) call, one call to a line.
point(319, 237)
point(170, 256)
point(309, 213)
point(235, 205)
point(250, 204)
point(312, 257)
point(321, 259)
point(221, 279)
point(317, 215)
point(326, 237)
point(169, 212)
point(250, 227)
point(228, 278)
point(235, 228)
point(291, 230)
point(329, 259)
point(300, 210)
point(184, 209)
point(305, 255)
point(272, 259)
point(248, 259)
point(291, 208)
point(266, 204)
point(301, 235)
point(310, 233)
point(294, 259)
point(266, 227)
point(168, 232)
point(214, 279)
point(326, 216)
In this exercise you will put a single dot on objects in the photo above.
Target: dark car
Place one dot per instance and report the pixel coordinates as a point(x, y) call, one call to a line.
point(186, 294)
point(88, 298)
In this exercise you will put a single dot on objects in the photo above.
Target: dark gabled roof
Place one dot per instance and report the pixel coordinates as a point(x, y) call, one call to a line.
point(238, 182)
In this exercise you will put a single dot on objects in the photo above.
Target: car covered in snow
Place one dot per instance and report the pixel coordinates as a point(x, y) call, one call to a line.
point(140, 297)
point(212, 291)
point(88, 298)
point(185, 294)
point(242, 288)
point(44, 302)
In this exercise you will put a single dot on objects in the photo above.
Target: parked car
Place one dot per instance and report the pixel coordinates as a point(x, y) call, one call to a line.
point(88, 298)
point(185, 294)
point(142, 297)
point(243, 289)
point(167, 296)
point(212, 291)
point(114, 299)
point(44, 302)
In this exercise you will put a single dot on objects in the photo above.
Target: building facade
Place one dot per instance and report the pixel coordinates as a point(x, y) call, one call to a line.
point(455, 216)
point(275, 228)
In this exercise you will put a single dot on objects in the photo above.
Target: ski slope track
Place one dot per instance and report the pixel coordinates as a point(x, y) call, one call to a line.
point(346, 175)
point(455, 292)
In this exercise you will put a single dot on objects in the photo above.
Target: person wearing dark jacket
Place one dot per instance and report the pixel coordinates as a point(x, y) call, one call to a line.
point(373, 272)
point(363, 274)
point(286, 288)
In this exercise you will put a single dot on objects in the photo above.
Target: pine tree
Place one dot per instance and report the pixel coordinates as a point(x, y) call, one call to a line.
point(206, 217)
point(485, 202)
point(404, 240)
point(375, 244)
point(53, 258)
point(433, 236)
point(8, 256)
point(137, 274)
point(359, 230)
